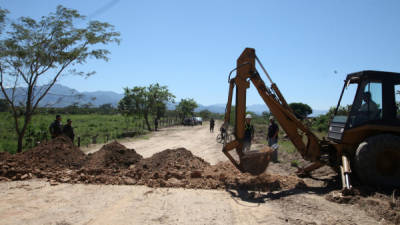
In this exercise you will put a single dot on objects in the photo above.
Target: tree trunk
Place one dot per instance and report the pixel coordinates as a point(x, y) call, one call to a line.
point(21, 134)
point(20, 142)
point(146, 119)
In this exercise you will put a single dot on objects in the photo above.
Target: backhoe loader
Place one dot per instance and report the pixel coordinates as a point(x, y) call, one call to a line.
point(366, 140)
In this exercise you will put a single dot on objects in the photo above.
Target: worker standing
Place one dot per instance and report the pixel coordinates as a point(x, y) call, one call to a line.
point(56, 127)
point(248, 134)
point(156, 124)
point(68, 130)
point(273, 131)
point(212, 124)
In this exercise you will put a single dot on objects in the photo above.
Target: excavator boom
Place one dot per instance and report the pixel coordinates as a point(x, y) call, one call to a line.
point(303, 139)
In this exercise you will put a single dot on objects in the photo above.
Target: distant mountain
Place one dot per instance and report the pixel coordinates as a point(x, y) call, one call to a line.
point(104, 97)
point(317, 112)
point(256, 108)
point(220, 108)
point(61, 96)
point(216, 108)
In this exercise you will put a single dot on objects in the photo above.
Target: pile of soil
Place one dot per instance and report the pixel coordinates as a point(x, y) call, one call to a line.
point(113, 155)
point(230, 177)
point(169, 168)
point(60, 161)
point(57, 154)
point(180, 168)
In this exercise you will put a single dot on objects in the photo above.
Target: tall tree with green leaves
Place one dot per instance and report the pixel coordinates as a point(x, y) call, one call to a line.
point(301, 110)
point(145, 102)
point(159, 96)
point(205, 114)
point(186, 107)
point(35, 54)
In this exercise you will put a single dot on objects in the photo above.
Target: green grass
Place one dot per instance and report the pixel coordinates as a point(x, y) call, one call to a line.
point(286, 145)
point(295, 163)
point(261, 128)
point(144, 137)
point(85, 126)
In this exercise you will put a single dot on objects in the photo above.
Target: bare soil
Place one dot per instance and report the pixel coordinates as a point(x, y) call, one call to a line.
point(113, 155)
point(115, 164)
point(172, 161)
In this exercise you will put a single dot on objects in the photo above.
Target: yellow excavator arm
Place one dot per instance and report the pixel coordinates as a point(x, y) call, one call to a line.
point(303, 139)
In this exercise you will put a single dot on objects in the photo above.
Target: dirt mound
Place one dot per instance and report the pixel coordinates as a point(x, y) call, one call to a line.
point(180, 168)
point(171, 167)
point(181, 159)
point(60, 161)
point(4, 156)
point(113, 155)
point(56, 153)
point(230, 177)
point(59, 153)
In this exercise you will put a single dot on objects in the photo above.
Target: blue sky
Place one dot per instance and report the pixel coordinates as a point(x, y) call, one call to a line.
point(191, 46)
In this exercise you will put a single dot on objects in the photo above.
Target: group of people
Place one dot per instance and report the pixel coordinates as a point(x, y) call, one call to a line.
point(56, 128)
point(272, 136)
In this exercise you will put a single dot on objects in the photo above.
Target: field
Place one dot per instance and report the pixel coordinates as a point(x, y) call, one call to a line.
point(91, 128)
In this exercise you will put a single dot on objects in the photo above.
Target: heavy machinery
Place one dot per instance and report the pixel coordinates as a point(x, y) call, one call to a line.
point(366, 140)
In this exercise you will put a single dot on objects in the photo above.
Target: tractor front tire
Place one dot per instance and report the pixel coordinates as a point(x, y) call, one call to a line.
point(377, 161)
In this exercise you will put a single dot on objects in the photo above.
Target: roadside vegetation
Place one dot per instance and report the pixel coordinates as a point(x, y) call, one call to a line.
point(318, 125)
point(90, 128)
point(92, 125)
point(39, 52)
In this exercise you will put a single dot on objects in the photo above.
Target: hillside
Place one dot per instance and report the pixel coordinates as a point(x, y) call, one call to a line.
point(61, 96)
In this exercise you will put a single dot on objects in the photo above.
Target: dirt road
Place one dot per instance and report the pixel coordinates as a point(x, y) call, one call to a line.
point(197, 139)
point(37, 202)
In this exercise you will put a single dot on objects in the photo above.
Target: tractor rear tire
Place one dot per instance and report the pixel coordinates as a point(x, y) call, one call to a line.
point(377, 161)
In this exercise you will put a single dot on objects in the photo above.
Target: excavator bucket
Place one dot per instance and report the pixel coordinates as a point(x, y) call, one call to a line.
point(256, 162)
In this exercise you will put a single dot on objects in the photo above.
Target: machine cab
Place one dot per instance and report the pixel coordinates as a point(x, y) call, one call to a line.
point(376, 103)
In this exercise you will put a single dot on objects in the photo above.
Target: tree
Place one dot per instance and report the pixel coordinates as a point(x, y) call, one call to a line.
point(34, 54)
point(186, 107)
point(3, 14)
point(321, 123)
point(145, 102)
point(158, 97)
point(301, 110)
point(4, 107)
point(106, 109)
point(205, 114)
point(265, 115)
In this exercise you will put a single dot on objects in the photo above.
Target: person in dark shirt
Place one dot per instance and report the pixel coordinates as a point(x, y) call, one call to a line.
point(369, 110)
point(68, 130)
point(273, 131)
point(248, 134)
point(56, 127)
point(212, 124)
point(156, 124)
